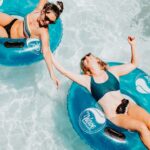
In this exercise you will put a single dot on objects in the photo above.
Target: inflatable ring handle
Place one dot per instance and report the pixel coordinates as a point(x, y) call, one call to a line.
point(114, 134)
point(14, 44)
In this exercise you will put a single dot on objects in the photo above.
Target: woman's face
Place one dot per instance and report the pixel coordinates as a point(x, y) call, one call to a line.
point(90, 61)
point(47, 18)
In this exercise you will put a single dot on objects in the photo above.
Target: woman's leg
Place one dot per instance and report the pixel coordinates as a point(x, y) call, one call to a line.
point(139, 113)
point(5, 19)
point(128, 122)
point(3, 32)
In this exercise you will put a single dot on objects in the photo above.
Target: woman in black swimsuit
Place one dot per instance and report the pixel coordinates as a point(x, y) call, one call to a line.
point(35, 25)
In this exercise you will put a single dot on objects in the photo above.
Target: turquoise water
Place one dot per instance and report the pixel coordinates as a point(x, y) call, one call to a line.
point(33, 114)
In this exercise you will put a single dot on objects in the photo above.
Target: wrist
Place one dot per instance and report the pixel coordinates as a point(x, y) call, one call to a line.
point(132, 45)
point(53, 77)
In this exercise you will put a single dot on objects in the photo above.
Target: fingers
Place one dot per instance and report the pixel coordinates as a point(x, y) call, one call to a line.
point(58, 84)
point(131, 38)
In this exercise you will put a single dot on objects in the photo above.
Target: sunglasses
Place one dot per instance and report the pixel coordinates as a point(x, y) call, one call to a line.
point(48, 19)
point(85, 56)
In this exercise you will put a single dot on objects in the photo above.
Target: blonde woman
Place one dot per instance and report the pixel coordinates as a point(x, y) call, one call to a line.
point(103, 83)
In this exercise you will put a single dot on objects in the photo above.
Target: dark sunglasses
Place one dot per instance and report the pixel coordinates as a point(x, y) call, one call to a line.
point(85, 56)
point(50, 21)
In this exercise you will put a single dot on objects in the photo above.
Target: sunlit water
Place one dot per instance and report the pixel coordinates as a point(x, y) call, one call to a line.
point(33, 113)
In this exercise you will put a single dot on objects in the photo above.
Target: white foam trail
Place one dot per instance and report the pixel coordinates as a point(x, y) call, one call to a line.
point(32, 110)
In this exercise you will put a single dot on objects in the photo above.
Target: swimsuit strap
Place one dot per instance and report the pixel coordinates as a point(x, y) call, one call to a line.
point(26, 28)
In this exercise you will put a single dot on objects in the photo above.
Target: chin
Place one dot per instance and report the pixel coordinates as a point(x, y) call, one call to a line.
point(43, 25)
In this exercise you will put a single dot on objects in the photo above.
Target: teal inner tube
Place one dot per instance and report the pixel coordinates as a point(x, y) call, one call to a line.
point(16, 52)
point(90, 122)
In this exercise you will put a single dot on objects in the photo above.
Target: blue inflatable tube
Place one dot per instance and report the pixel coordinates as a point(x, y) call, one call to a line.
point(94, 128)
point(14, 52)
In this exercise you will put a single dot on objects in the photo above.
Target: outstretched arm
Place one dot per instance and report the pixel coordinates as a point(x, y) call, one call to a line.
point(41, 4)
point(47, 53)
point(49, 59)
point(126, 68)
point(80, 79)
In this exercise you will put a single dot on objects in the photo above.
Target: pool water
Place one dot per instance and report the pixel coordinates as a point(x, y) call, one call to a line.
point(33, 113)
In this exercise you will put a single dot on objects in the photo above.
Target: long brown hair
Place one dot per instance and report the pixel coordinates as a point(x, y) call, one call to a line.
point(103, 65)
point(56, 8)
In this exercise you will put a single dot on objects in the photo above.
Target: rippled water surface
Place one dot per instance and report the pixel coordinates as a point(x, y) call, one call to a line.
point(33, 113)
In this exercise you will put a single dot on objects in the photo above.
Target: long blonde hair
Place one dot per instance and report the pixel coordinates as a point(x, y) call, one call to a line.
point(103, 65)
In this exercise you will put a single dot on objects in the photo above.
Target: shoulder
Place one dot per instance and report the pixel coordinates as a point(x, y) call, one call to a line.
point(113, 71)
point(87, 77)
point(43, 32)
point(87, 82)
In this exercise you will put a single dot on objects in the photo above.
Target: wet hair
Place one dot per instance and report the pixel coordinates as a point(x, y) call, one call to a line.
point(103, 65)
point(56, 8)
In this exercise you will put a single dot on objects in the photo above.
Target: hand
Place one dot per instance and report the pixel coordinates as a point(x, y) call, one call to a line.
point(57, 82)
point(131, 40)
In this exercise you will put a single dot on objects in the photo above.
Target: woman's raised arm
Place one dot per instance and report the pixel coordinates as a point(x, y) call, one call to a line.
point(126, 68)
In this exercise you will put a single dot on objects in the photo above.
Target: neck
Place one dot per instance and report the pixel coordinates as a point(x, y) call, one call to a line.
point(97, 72)
point(38, 17)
